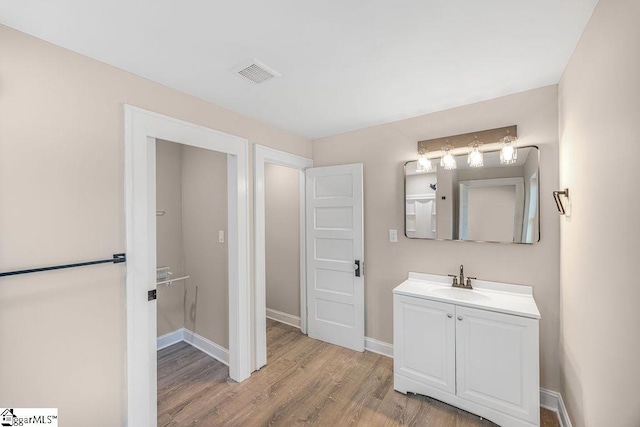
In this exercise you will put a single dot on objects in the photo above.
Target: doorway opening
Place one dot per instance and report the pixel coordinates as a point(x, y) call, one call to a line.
point(331, 251)
point(192, 257)
point(282, 244)
point(264, 159)
point(142, 129)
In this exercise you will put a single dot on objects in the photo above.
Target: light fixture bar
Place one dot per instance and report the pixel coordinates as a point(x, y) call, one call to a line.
point(462, 141)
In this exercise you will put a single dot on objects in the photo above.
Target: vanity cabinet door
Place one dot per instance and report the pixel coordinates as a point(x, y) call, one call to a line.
point(497, 362)
point(424, 341)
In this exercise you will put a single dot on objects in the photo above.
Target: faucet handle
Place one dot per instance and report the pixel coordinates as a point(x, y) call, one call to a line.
point(468, 282)
point(455, 279)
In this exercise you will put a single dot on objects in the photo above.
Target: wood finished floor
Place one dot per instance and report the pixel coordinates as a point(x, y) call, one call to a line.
point(306, 382)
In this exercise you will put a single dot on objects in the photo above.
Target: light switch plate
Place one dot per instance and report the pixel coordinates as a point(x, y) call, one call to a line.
point(393, 236)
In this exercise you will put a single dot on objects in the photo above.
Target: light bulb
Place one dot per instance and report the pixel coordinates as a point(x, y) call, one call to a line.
point(475, 158)
point(424, 164)
point(448, 161)
point(509, 151)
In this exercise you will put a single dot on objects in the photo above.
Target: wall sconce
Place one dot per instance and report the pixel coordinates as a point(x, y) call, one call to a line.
point(475, 158)
point(556, 197)
point(448, 161)
point(509, 150)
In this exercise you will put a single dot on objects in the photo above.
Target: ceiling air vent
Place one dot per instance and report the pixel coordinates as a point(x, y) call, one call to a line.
point(255, 71)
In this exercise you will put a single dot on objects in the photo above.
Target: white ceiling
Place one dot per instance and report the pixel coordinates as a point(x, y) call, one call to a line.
point(344, 64)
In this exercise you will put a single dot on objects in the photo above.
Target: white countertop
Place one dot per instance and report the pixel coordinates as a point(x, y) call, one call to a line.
point(493, 296)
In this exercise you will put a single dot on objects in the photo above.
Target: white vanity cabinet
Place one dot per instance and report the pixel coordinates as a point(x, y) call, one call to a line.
point(424, 339)
point(461, 347)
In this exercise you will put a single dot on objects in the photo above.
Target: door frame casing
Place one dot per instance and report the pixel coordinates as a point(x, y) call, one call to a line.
point(142, 128)
point(262, 156)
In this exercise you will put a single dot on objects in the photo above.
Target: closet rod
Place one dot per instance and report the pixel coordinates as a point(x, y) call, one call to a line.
point(117, 259)
point(170, 281)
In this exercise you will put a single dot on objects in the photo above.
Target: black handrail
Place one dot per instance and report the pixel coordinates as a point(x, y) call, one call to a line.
point(117, 259)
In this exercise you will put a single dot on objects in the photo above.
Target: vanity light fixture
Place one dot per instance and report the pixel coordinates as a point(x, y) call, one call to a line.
point(509, 150)
point(448, 161)
point(470, 144)
point(424, 163)
point(475, 158)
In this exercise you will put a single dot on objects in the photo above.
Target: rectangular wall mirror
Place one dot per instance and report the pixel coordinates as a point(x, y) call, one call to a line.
point(492, 203)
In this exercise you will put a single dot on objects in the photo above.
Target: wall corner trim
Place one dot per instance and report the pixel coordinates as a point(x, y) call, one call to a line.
point(282, 317)
point(214, 350)
point(171, 338)
point(552, 400)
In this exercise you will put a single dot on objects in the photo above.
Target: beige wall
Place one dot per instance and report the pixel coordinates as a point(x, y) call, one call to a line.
point(204, 199)
point(384, 149)
point(62, 198)
point(169, 249)
point(282, 238)
point(600, 148)
point(192, 189)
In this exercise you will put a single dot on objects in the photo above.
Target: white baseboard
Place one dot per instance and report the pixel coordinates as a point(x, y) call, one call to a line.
point(214, 350)
point(171, 338)
point(563, 414)
point(552, 400)
point(287, 319)
point(379, 347)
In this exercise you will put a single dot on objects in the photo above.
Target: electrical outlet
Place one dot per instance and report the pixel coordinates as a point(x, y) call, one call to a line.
point(393, 236)
point(221, 236)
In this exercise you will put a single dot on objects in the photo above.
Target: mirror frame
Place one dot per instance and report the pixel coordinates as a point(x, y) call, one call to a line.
point(457, 213)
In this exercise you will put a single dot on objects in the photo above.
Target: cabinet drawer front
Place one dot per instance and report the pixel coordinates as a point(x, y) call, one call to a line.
point(497, 361)
point(424, 341)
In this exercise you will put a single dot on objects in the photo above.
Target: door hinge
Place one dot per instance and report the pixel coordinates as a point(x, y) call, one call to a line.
point(151, 295)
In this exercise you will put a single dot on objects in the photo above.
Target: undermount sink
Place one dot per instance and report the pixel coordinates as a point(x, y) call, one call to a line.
point(459, 294)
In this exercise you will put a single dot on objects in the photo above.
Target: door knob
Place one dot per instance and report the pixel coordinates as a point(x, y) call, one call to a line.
point(449, 315)
point(459, 317)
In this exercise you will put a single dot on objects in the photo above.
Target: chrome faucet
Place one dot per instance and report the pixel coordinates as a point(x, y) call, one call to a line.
point(459, 282)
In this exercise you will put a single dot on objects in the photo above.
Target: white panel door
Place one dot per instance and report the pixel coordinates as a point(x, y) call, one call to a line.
point(497, 362)
point(424, 340)
point(335, 248)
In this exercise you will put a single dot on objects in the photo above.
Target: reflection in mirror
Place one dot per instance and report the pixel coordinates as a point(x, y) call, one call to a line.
point(493, 203)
